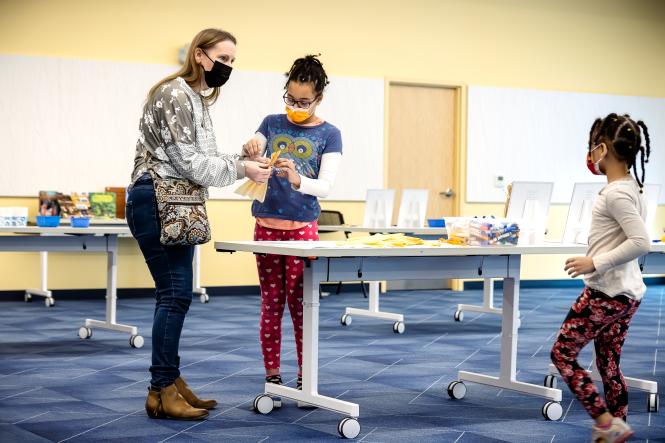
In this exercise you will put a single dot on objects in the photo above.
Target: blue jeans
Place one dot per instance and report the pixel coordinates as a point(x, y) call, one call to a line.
point(171, 270)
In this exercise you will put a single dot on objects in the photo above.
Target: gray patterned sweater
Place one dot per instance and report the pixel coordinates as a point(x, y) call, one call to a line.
point(176, 139)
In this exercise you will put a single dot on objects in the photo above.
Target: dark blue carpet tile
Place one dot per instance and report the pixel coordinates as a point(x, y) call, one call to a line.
point(56, 387)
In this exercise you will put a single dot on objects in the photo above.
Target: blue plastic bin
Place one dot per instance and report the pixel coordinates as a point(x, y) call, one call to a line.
point(436, 223)
point(80, 222)
point(48, 221)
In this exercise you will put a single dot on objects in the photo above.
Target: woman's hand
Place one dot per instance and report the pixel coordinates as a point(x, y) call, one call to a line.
point(251, 149)
point(579, 265)
point(287, 168)
point(257, 171)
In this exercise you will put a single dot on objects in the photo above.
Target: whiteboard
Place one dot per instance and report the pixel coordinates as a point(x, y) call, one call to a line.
point(71, 125)
point(536, 135)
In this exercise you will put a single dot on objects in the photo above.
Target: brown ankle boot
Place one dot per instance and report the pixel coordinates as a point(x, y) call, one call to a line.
point(176, 407)
point(153, 404)
point(191, 398)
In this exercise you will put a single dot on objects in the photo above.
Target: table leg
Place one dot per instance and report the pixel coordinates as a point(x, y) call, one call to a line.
point(135, 340)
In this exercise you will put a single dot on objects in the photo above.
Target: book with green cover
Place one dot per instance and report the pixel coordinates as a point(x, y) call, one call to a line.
point(102, 204)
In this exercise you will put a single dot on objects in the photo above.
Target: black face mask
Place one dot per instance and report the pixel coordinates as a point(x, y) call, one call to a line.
point(218, 75)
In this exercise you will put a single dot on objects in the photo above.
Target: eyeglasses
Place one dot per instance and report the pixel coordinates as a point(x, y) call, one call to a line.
point(302, 104)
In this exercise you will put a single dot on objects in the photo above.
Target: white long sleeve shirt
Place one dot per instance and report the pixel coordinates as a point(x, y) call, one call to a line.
point(321, 185)
point(618, 236)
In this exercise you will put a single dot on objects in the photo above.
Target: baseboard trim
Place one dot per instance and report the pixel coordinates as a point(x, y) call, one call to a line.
point(498, 284)
point(98, 293)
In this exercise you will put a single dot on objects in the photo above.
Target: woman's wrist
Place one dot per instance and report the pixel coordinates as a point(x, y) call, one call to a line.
point(240, 169)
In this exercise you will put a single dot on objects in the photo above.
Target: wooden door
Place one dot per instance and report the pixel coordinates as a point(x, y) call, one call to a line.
point(421, 144)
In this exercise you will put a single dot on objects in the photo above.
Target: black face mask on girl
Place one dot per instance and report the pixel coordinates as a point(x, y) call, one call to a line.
point(218, 75)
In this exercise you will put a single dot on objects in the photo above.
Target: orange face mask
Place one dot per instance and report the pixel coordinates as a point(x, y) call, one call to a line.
point(297, 115)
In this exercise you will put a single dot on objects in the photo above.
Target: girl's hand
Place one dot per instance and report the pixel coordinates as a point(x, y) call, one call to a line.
point(258, 172)
point(251, 149)
point(287, 168)
point(579, 265)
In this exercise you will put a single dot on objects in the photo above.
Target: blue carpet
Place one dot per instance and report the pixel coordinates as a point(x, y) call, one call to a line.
point(56, 387)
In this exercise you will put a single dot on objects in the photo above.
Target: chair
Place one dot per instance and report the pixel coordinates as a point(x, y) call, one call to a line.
point(335, 218)
point(331, 218)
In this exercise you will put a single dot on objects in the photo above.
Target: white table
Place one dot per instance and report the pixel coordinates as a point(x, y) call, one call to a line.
point(43, 290)
point(399, 325)
point(68, 239)
point(326, 262)
point(654, 263)
point(373, 310)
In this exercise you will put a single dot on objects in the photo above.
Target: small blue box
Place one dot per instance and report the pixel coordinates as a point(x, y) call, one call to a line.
point(436, 223)
point(48, 221)
point(80, 222)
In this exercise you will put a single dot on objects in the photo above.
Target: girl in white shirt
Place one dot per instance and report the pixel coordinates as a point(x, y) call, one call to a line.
point(613, 281)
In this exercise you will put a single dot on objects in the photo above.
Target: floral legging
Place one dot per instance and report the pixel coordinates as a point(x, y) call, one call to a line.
point(281, 282)
point(605, 320)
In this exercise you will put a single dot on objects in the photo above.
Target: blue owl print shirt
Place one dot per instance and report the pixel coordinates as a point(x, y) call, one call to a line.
point(304, 145)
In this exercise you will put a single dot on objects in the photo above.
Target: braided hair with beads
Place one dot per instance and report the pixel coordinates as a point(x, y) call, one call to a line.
point(308, 69)
point(623, 135)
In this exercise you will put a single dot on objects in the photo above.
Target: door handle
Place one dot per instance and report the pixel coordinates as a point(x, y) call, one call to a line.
point(447, 193)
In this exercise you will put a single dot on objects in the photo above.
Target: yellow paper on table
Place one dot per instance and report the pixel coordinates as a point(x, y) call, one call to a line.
point(253, 190)
point(387, 241)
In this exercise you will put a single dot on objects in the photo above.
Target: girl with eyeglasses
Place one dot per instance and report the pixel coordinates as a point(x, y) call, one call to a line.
point(310, 151)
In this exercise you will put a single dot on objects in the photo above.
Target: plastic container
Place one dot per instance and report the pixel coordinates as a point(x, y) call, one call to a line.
point(13, 216)
point(80, 222)
point(490, 231)
point(436, 223)
point(20, 216)
point(48, 221)
point(5, 217)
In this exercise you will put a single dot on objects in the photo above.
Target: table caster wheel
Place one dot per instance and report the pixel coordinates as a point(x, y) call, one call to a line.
point(136, 341)
point(263, 404)
point(85, 332)
point(652, 402)
point(205, 298)
point(552, 411)
point(346, 319)
point(27, 297)
point(459, 315)
point(49, 302)
point(457, 390)
point(399, 327)
point(550, 381)
point(348, 427)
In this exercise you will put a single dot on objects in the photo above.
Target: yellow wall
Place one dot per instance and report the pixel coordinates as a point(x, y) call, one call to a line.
point(607, 46)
